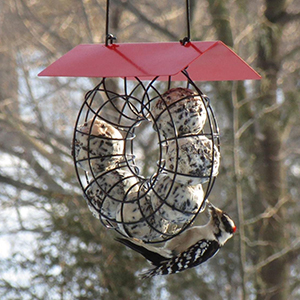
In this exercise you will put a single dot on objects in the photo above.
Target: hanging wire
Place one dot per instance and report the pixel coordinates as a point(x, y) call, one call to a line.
point(109, 38)
point(187, 39)
point(107, 164)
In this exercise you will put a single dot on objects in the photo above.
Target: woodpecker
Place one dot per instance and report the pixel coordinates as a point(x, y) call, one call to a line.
point(179, 109)
point(192, 159)
point(189, 249)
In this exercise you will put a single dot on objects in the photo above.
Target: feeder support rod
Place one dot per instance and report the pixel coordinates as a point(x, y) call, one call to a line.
point(187, 39)
point(109, 38)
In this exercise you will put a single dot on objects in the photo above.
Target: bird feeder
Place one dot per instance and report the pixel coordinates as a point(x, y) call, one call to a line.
point(157, 86)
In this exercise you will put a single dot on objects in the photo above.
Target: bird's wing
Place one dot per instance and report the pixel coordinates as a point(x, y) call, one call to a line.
point(149, 252)
point(192, 257)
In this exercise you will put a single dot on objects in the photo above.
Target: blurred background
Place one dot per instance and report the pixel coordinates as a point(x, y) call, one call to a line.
point(51, 247)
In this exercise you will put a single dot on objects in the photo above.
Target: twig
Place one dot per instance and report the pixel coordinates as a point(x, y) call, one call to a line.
point(269, 212)
point(294, 246)
point(143, 18)
point(238, 189)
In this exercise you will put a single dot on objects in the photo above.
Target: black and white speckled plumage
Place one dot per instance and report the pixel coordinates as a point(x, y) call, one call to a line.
point(189, 249)
point(179, 108)
point(176, 203)
point(192, 257)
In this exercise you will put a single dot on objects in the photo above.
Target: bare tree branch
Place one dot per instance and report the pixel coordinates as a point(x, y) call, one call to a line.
point(128, 5)
point(238, 189)
point(295, 245)
point(36, 190)
point(250, 122)
point(289, 17)
point(28, 140)
point(256, 243)
point(31, 96)
point(269, 212)
point(30, 16)
point(86, 20)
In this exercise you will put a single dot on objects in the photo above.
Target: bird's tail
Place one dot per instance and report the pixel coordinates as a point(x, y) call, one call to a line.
point(149, 273)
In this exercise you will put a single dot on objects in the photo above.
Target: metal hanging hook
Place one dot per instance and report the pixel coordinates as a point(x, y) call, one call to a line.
point(187, 39)
point(109, 38)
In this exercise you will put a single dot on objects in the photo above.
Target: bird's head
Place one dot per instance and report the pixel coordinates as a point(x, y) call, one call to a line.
point(224, 227)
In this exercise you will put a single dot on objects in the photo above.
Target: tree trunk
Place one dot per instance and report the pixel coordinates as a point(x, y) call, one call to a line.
point(272, 278)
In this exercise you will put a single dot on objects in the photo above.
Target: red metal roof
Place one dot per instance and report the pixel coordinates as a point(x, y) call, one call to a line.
point(206, 61)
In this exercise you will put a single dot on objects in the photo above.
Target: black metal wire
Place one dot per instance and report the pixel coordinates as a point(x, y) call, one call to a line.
point(125, 111)
point(187, 39)
point(109, 38)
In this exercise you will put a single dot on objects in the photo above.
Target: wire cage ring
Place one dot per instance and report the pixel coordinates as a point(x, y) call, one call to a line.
point(152, 208)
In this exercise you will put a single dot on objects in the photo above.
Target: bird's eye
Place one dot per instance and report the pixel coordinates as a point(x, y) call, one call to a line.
point(224, 219)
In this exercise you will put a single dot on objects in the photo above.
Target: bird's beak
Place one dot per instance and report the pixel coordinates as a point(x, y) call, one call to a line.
point(213, 209)
point(210, 209)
